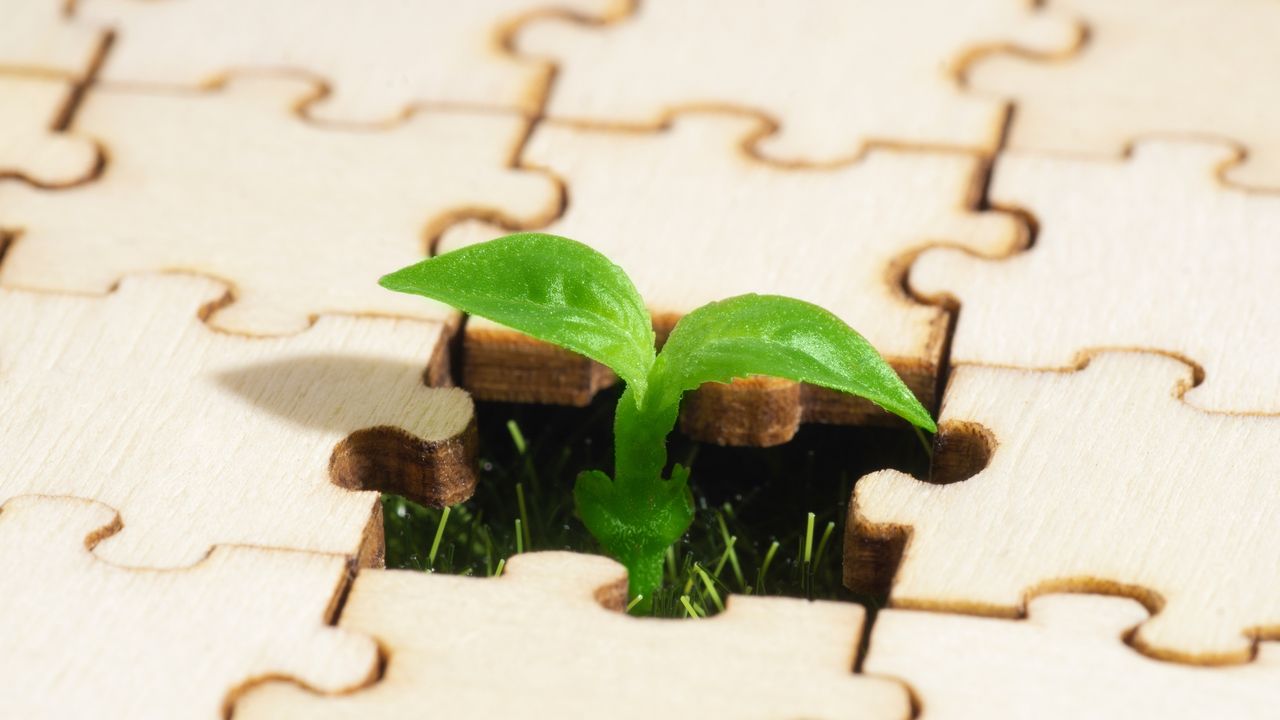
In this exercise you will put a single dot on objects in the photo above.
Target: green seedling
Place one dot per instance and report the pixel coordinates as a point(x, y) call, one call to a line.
point(562, 292)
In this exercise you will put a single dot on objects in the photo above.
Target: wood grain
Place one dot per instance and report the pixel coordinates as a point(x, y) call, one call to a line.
point(84, 638)
point(1067, 660)
point(1149, 251)
point(547, 639)
point(201, 438)
point(1098, 480)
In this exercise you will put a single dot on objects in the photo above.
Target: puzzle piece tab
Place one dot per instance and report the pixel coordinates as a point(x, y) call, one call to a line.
point(300, 220)
point(201, 438)
point(1066, 661)
point(835, 75)
point(379, 60)
point(29, 148)
point(692, 219)
point(1188, 67)
point(1100, 479)
point(84, 638)
point(547, 635)
point(1149, 252)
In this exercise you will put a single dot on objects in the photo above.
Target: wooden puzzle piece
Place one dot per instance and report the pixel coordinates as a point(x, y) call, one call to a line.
point(1188, 67)
point(201, 438)
point(84, 638)
point(30, 107)
point(1067, 660)
point(836, 76)
point(1100, 479)
point(548, 635)
point(692, 219)
point(299, 219)
point(36, 37)
point(1148, 252)
point(378, 60)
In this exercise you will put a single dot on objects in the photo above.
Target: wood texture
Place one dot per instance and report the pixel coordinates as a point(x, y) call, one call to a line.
point(36, 38)
point(378, 60)
point(547, 639)
point(1146, 252)
point(1067, 660)
point(84, 638)
point(201, 438)
point(299, 219)
point(1098, 480)
point(692, 218)
point(29, 148)
point(834, 77)
point(1193, 68)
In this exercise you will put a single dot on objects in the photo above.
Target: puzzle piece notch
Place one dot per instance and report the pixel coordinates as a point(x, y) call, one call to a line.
point(379, 62)
point(1066, 660)
point(30, 149)
point(1101, 480)
point(692, 180)
point(37, 39)
point(201, 438)
point(86, 638)
point(1129, 254)
point(541, 630)
point(299, 219)
point(900, 59)
point(1182, 67)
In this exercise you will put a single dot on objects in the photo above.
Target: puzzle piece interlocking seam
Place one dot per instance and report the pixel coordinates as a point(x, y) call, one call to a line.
point(377, 60)
point(30, 149)
point(1192, 67)
point(851, 73)
point(300, 220)
point(202, 438)
point(36, 40)
point(1066, 660)
point(1145, 252)
point(705, 221)
point(541, 637)
point(1099, 480)
point(85, 638)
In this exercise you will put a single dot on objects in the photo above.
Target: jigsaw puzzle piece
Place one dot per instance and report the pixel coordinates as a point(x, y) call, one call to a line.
point(549, 635)
point(1100, 479)
point(300, 220)
point(202, 438)
point(85, 638)
point(841, 75)
point(30, 149)
point(37, 38)
point(1186, 67)
point(1146, 252)
point(705, 221)
point(1066, 660)
point(378, 60)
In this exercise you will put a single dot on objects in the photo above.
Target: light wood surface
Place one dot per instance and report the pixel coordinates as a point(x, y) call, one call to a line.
point(833, 76)
point(29, 148)
point(1066, 661)
point(692, 219)
point(1193, 68)
point(201, 438)
point(84, 638)
point(1098, 480)
point(1148, 252)
point(299, 219)
point(377, 59)
point(546, 639)
point(37, 38)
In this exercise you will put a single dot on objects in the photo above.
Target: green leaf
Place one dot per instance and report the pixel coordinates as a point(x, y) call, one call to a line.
point(551, 288)
point(779, 337)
